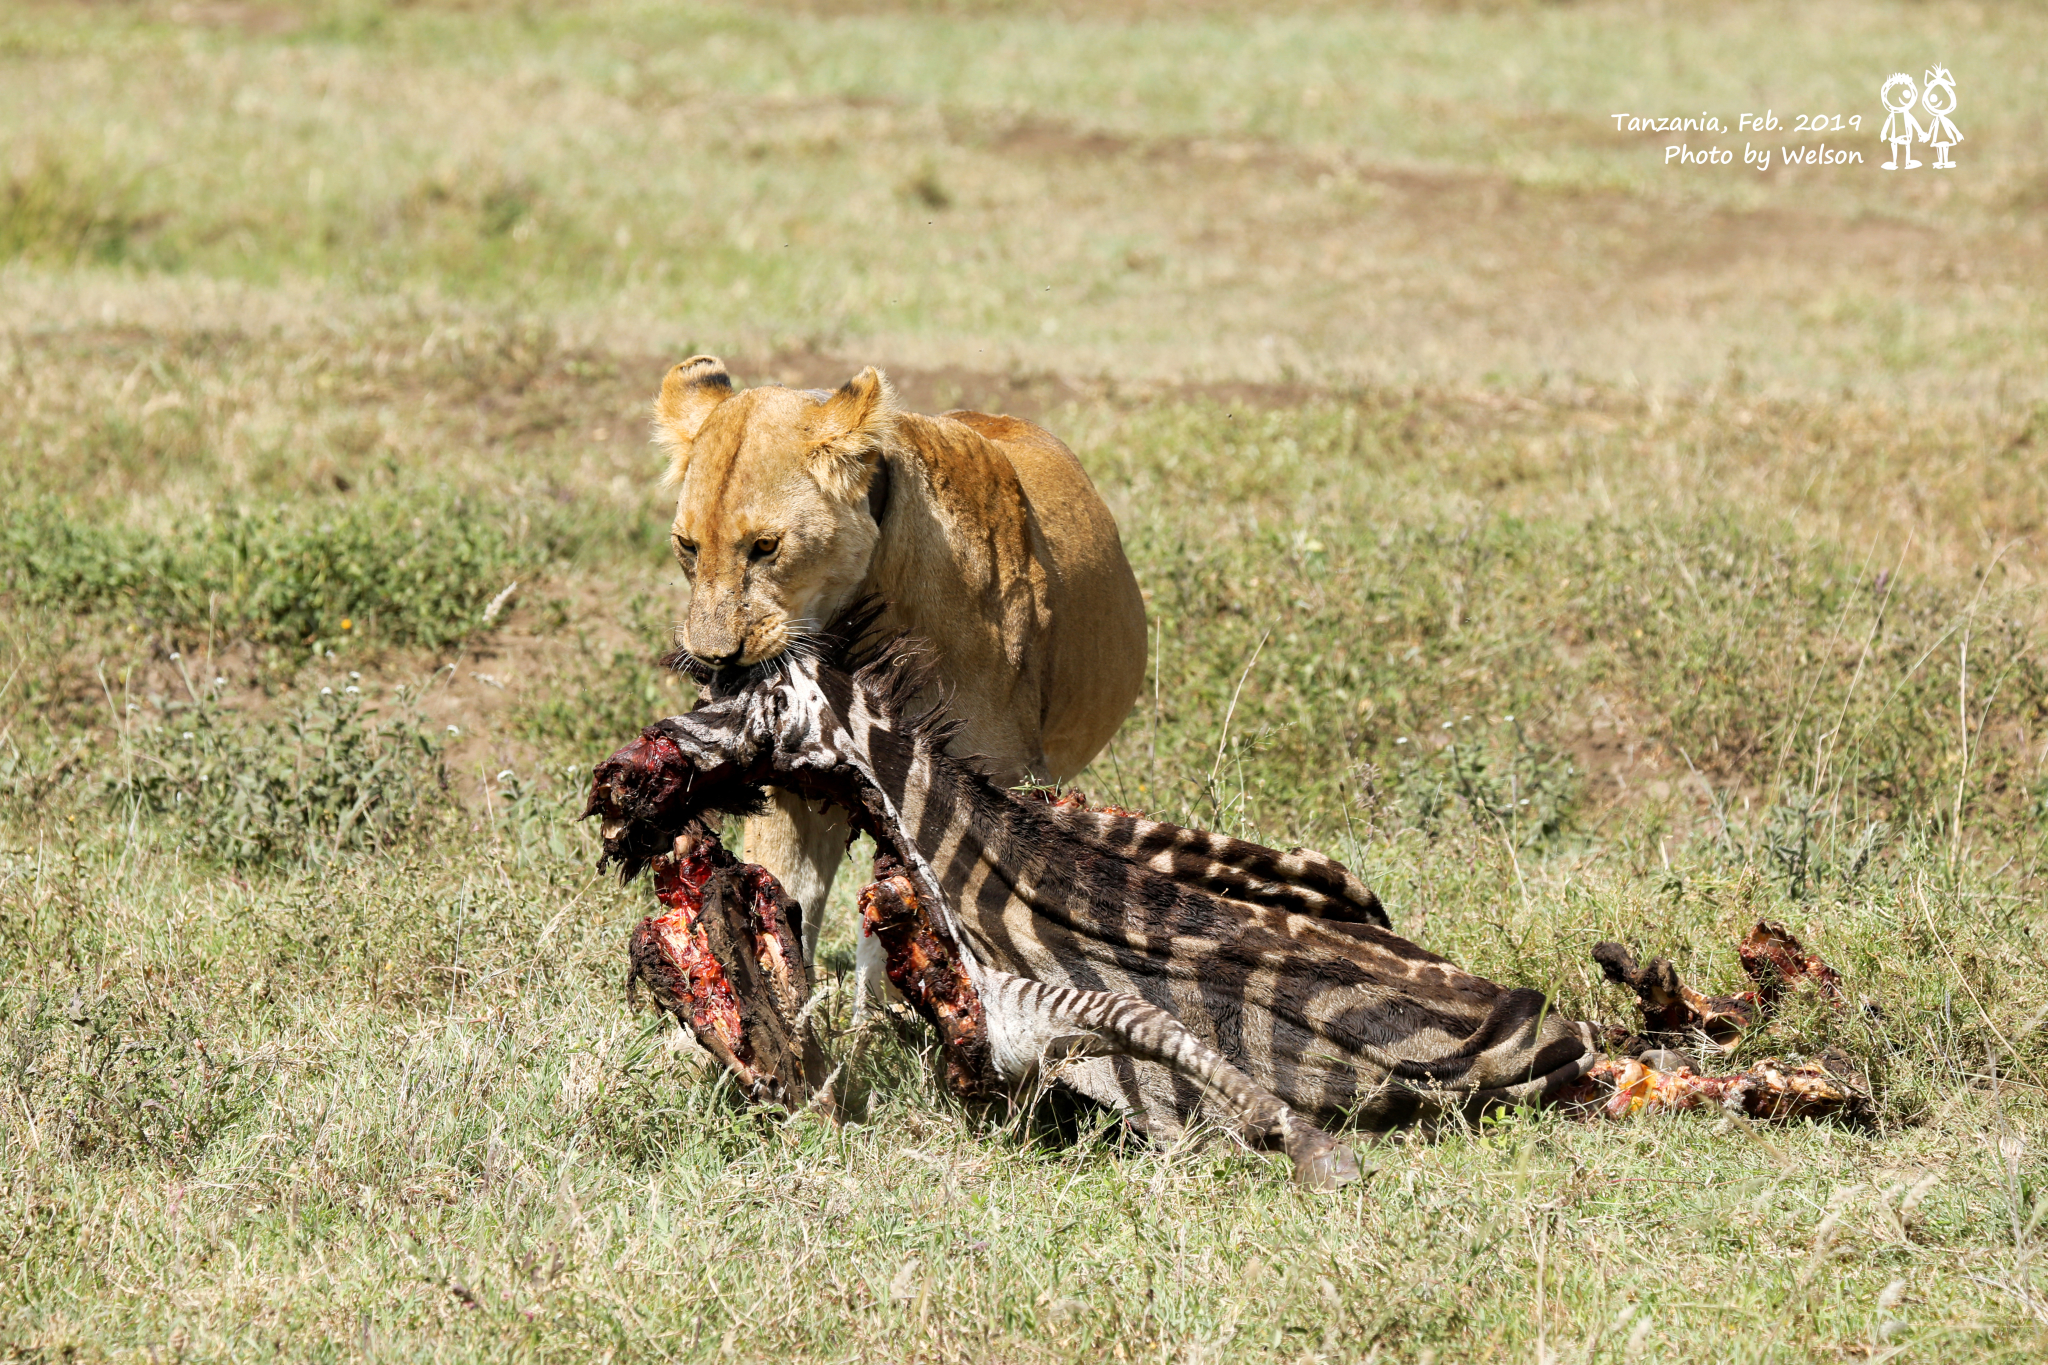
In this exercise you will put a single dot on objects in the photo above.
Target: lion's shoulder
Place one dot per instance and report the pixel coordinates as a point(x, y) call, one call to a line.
point(1019, 456)
point(996, 426)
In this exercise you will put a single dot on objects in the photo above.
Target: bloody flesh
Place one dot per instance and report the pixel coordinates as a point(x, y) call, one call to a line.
point(1771, 1089)
point(672, 954)
point(1075, 799)
point(1774, 960)
point(930, 976)
point(724, 960)
point(1674, 1012)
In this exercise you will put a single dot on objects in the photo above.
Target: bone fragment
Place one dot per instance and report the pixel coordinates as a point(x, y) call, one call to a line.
point(1675, 1014)
point(1772, 1090)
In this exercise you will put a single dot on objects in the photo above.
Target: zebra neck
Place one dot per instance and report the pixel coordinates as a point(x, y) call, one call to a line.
point(944, 815)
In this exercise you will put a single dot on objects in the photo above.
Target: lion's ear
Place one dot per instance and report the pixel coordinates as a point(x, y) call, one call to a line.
point(849, 431)
point(688, 395)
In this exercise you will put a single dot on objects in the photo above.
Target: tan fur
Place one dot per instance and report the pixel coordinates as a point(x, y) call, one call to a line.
point(994, 547)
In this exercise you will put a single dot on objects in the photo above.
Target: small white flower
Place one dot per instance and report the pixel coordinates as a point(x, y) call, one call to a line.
point(453, 731)
point(1402, 740)
point(352, 688)
point(326, 691)
point(188, 734)
point(220, 682)
point(355, 677)
point(1507, 720)
point(1447, 725)
point(175, 656)
point(507, 775)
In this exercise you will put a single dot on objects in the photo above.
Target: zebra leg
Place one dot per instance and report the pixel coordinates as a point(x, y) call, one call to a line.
point(1030, 1022)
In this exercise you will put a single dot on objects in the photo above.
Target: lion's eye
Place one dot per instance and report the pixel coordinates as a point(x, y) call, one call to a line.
point(766, 546)
point(685, 549)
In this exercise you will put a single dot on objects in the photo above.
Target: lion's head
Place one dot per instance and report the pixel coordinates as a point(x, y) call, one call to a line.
point(773, 526)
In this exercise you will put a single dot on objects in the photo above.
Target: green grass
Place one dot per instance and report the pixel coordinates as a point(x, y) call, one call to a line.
point(417, 570)
point(1466, 460)
point(331, 775)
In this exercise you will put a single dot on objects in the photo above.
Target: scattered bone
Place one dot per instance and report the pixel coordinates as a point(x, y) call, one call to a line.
point(1675, 1013)
point(1654, 1079)
point(1772, 1090)
point(1774, 960)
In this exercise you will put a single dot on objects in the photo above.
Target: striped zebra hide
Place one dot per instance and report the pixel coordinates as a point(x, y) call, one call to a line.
point(1278, 964)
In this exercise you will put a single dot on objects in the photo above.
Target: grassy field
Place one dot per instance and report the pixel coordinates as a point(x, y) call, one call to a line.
point(1591, 549)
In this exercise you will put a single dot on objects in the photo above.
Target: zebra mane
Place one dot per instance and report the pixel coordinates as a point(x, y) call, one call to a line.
point(896, 668)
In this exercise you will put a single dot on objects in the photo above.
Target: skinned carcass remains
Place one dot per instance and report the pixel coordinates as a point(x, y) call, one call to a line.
point(1651, 1076)
point(723, 960)
point(1172, 974)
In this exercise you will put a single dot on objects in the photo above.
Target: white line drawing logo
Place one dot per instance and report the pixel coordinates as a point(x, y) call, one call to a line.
point(1900, 127)
point(1938, 98)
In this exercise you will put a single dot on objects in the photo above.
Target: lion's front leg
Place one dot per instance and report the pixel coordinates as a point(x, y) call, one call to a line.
point(802, 848)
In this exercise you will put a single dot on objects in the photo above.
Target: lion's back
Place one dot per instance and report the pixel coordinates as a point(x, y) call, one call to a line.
point(1094, 614)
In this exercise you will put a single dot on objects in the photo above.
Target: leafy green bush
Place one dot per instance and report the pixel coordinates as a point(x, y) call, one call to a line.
point(330, 775)
point(393, 568)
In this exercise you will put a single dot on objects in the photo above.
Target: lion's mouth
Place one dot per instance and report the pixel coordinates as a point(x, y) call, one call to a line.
point(722, 682)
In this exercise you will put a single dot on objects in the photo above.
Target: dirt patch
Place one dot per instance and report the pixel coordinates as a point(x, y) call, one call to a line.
point(1058, 140)
point(261, 21)
point(1032, 395)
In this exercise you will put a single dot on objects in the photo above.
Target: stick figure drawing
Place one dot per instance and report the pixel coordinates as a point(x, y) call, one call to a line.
point(1938, 98)
point(1900, 127)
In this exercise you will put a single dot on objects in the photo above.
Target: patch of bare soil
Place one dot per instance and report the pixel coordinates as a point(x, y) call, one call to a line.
point(1032, 395)
point(257, 20)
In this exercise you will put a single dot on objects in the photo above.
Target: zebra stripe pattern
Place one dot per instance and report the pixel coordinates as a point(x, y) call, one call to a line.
point(1201, 965)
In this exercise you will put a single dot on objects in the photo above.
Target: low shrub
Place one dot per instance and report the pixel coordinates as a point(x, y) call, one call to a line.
point(395, 569)
point(1496, 776)
point(330, 775)
point(126, 1079)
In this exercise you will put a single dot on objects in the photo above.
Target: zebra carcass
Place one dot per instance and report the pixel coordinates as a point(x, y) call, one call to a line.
point(1172, 974)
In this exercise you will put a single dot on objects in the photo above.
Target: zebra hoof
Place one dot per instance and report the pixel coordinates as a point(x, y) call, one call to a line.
point(1331, 1167)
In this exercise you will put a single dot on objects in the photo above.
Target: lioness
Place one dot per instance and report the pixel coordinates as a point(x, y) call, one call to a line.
point(983, 534)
